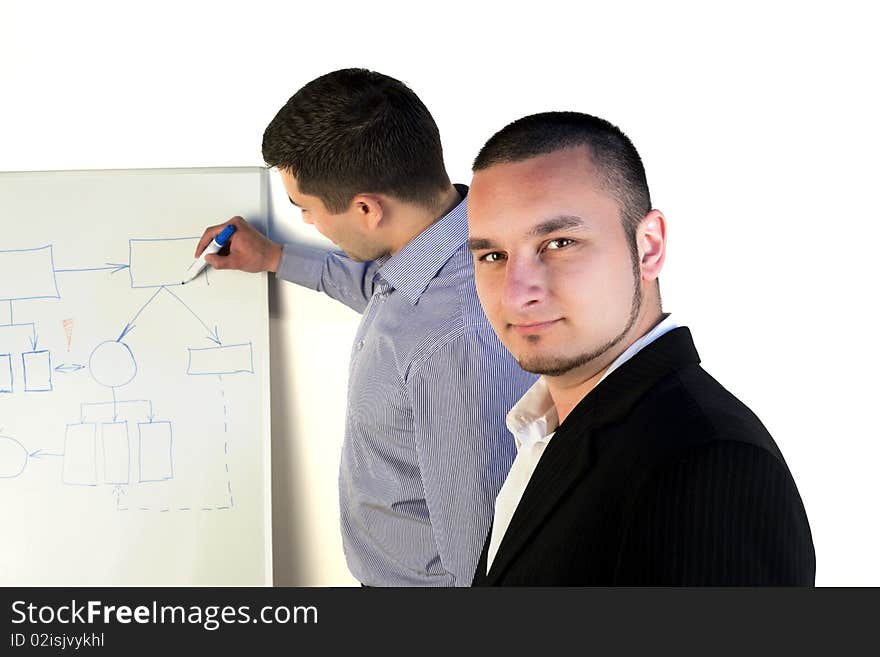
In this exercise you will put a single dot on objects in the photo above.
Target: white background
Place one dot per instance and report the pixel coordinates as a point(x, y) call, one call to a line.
point(757, 124)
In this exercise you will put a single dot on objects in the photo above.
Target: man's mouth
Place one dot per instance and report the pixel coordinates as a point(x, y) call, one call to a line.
point(530, 328)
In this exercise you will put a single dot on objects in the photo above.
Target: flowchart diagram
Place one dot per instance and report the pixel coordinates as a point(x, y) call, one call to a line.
point(118, 442)
point(135, 433)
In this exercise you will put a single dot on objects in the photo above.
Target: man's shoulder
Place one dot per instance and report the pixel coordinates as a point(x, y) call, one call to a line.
point(689, 410)
point(453, 287)
point(448, 313)
point(729, 417)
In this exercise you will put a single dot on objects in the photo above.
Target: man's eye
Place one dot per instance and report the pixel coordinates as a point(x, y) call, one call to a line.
point(559, 243)
point(492, 257)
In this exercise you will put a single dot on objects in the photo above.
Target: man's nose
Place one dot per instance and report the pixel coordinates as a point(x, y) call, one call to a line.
point(524, 283)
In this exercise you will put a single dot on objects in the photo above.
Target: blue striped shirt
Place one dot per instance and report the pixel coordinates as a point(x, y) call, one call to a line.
point(426, 448)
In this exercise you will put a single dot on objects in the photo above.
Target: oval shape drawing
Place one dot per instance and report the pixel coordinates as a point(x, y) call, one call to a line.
point(112, 364)
point(13, 457)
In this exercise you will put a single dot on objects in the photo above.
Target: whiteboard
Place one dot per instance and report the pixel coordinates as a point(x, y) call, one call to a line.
point(134, 411)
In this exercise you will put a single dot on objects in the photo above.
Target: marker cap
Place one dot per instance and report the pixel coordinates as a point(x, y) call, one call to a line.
point(224, 235)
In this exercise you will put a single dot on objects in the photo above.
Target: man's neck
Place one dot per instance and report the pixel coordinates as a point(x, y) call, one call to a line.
point(567, 390)
point(413, 220)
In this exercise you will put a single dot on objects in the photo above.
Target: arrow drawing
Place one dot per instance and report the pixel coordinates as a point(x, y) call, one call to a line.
point(130, 325)
point(118, 493)
point(39, 453)
point(113, 267)
point(72, 367)
point(213, 334)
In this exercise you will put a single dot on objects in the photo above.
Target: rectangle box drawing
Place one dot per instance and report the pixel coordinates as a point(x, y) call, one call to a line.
point(154, 451)
point(138, 410)
point(80, 455)
point(226, 359)
point(157, 262)
point(5, 372)
point(37, 371)
point(28, 274)
point(117, 453)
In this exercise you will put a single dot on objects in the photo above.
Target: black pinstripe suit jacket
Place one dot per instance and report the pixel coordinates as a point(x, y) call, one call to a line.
point(658, 477)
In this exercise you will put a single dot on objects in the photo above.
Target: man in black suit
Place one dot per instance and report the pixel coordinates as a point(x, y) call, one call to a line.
point(634, 466)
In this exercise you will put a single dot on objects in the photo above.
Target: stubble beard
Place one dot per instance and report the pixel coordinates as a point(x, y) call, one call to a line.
point(559, 365)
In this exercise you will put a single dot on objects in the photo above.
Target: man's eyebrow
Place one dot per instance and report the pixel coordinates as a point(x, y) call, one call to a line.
point(477, 243)
point(557, 223)
point(292, 201)
point(560, 222)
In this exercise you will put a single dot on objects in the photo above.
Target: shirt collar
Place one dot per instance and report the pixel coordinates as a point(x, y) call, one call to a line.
point(533, 417)
point(664, 326)
point(411, 269)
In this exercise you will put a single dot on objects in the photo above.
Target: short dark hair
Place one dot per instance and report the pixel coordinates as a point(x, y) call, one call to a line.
point(356, 131)
point(617, 161)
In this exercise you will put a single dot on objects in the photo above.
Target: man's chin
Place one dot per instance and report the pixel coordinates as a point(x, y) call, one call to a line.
point(548, 365)
point(362, 256)
point(357, 257)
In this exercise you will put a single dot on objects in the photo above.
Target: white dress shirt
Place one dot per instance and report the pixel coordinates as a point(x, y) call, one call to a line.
point(533, 420)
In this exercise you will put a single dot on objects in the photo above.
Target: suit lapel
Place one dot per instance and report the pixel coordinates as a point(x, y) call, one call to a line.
point(564, 461)
point(571, 453)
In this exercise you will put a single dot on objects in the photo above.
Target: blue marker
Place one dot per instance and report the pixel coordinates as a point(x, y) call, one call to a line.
point(216, 244)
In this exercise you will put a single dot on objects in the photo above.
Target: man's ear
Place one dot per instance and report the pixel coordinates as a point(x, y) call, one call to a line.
point(651, 241)
point(369, 210)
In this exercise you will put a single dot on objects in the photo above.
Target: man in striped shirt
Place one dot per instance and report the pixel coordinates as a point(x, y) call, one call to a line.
point(425, 449)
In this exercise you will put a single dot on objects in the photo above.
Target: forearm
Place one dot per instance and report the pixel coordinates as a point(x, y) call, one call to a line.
point(330, 272)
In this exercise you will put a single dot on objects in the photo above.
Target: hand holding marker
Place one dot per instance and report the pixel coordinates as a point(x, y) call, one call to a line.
point(216, 244)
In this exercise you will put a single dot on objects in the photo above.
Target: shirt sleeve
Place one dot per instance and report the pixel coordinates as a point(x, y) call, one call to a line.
point(460, 397)
point(330, 272)
point(725, 514)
